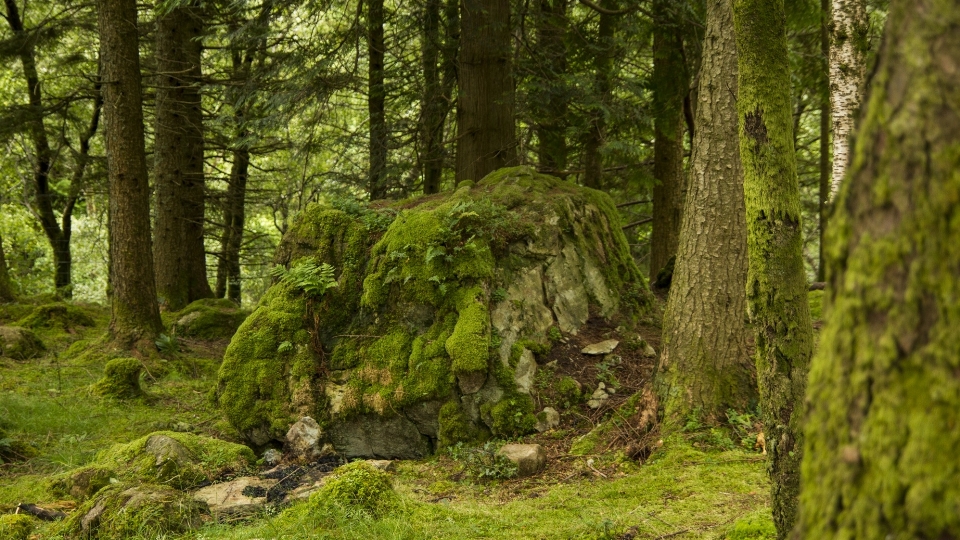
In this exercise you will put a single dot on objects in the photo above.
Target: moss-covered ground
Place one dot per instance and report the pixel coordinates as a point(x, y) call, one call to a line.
point(704, 483)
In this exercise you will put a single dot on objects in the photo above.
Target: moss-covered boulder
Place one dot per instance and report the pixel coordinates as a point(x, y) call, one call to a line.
point(181, 460)
point(82, 483)
point(61, 315)
point(209, 318)
point(20, 343)
point(121, 379)
point(435, 304)
point(143, 511)
point(16, 526)
point(358, 486)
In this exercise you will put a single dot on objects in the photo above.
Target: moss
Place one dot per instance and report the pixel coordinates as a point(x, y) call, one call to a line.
point(82, 483)
point(20, 343)
point(756, 526)
point(16, 526)
point(454, 425)
point(469, 344)
point(121, 379)
point(359, 487)
point(815, 298)
point(209, 318)
point(182, 460)
point(143, 511)
point(512, 417)
point(630, 413)
point(60, 314)
point(568, 389)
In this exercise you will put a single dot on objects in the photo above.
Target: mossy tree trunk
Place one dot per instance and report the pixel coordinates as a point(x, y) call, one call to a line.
point(705, 365)
point(376, 101)
point(135, 314)
point(776, 282)
point(486, 138)
point(179, 254)
point(550, 104)
point(670, 87)
point(884, 398)
point(6, 287)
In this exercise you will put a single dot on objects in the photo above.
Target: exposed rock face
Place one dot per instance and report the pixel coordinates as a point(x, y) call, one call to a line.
point(529, 458)
point(304, 439)
point(19, 343)
point(440, 306)
point(239, 497)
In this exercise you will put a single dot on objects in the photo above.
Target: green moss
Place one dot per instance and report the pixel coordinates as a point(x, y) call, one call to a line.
point(121, 379)
point(359, 487)
point(60, 315)
point(815, 299)
point(569, 390)
point(455, 427)
point(143, 511)
point(16, 526)
point(756, 526)
point(20, 343)
point(82, 483)
point(513, 416)
point(469, 344)
point(182, 460)
point(209, 318)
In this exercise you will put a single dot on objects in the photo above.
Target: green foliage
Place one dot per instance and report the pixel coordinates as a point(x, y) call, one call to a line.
point(483, 462)
point(308, 276)
point(357, 487)
point(554, 334)
point(167, 344)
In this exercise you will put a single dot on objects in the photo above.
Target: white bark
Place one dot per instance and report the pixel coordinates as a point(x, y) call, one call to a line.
point(848, 26)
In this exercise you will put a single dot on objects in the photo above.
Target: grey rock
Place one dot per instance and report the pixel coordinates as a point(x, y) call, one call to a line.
point(530, 458)
point(304, 439)
point(425, 416)
point(384, 465)
point(565, 291)
point(525, 372)
point(547, 419)
point(471, 382)
point(19, 343)
point(379, 437)
point(600, 395)
point(600, 349)
point(231, 499)
point(523, 312)
point(272, 457)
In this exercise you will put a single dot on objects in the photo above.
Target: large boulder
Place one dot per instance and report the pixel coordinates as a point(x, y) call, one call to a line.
point(142, 511)
point(428, 333)
point(209, 318)
point(20, 343)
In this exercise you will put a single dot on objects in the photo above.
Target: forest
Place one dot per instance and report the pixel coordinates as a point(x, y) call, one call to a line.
point(531, 269)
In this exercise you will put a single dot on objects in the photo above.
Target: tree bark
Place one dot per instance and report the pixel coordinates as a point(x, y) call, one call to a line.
point(439, 74)
point(776, 282)
point(670, 86)
point(550, 98)
point(234, 216)
point(6, 286)
point(135, 314)
point(824, 192)
point(603, 76)
point(179, 253)
point(704, 367)
point(486, 139)
point(376, 101)
point(848, 47)
point(884, 398)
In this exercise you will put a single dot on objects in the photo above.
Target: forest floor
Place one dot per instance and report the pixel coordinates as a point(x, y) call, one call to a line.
point(703, 483)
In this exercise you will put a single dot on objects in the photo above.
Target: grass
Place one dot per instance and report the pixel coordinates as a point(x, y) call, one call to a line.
point(681, 492)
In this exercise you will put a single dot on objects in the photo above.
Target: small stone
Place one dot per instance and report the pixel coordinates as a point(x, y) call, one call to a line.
point(235, 498)
point(529, 458)
point(600, 349)
point(612, 360)
point(384, 465)
point(547, 419)
point(648, 350)
point(272, 457)
point(303, 439)
point(598, 398)
point(525, 372)
point(182, 427)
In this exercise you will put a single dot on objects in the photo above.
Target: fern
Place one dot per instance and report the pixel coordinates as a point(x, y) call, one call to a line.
point(308, 276)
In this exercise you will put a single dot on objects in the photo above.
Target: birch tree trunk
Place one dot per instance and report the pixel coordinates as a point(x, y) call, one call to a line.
point(6, 287)
point(776, 280)
point(848, 46)
point(705, 365)
point(884, 399)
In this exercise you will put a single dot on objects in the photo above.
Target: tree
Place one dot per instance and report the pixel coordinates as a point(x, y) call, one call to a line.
point(485, 118)
point(6, 287)
point(550, 102)
point(670, 86)
point(884, 398)
point(179, 254)
point(848, 50)
point(376, 100)
point(704, 366)
point(57, 231)
point(135, 314)
point(439, 74)
point(602, 86)
point(776, 283)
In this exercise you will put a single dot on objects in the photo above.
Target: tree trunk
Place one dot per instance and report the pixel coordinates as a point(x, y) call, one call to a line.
point(6, 287)
point(776, 283)
point(135, 314)
point(179, 252)
point(705, 368)
point(439, 74)
point(848, 48)
point(376, 101)
point(550, 99)
point(884, 398)
point(486, 139)
point(670, 87)
point(603, 75)
point(228, 269)
point(824, 193)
